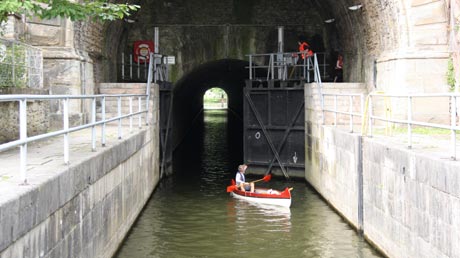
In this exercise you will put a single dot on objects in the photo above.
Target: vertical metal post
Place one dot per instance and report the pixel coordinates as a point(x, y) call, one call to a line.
point(351, 113)
point(130, 66)
point(119, 117)
point(272, 58)
point(156, 40)
point(370, 115)
point(66, 128)
point(453, 120)
point(279, 56)
point(335, 110)
point(23, 136)
point(307, 59)
point(145, 70)
point(315, 68)
point(93, 121)
point(122, 66)
point(250, 67)
point(138, 68)
point(304, 68)
point(140, 114)
point(103, 124)
point(409, 121)
point(131, 114)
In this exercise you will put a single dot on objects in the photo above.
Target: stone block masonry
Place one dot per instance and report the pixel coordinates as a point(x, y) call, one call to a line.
point(84, 209)
point(405, 201)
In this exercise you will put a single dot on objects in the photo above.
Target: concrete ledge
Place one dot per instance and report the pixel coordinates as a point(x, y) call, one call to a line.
point(83, 210)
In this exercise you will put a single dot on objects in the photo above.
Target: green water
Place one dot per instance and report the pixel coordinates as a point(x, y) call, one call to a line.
point(191, 215)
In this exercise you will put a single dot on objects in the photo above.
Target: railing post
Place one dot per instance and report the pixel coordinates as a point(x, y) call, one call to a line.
point(370, 115)
point(138, 68)
point(272, 58)
point(304, 67)
point(103, 124)
point(351, 113)
point(119, 117)
point(453, 122)
point(250, 67)
point(122, 66)
point(23, 136)
point(130, 66)
point(335, 110)
point(66, 128)
point(306, 59)
point(130, 114)
point(93, 121)
point(315, 68)
point(409, 121)
point(140, 114)
point(362, 111)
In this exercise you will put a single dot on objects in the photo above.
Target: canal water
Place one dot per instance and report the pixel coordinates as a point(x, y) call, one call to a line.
point(190, 214)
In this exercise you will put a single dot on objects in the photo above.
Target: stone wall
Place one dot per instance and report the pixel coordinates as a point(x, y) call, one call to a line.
point(87, 208)
point(411, 201)
point(37, 115)
point(405, 202)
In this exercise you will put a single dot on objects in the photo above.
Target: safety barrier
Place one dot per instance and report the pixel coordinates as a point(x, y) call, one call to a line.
point(23, 140)
point(286, 66)
point(370, 113)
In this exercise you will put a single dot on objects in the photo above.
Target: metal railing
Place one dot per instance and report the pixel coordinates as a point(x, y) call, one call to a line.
point(287, 66)
point(369, 114)
point(350, 112)
point(139, 71)
point(23, 140)
point(21, 65)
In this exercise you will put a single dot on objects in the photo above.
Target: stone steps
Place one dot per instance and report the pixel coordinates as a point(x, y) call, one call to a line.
point(111, 104)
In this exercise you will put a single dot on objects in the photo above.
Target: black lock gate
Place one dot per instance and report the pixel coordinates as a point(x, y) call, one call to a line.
point(274, 137)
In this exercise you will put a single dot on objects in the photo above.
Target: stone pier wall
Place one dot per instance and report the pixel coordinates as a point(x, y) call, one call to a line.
point(405, 202)
point(86, 209)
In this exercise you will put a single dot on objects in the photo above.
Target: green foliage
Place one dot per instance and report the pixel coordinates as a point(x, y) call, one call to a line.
point(450, 74)
point(46, 9)
point(214, 95)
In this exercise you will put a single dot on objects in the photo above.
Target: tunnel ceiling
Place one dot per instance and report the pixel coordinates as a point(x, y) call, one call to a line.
point(200, 31)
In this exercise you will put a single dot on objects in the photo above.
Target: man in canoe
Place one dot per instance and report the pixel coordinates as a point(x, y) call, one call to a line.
point(241, 181)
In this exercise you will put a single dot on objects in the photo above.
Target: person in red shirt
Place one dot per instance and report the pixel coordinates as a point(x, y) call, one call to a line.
point(338, 69)
point(305, 49)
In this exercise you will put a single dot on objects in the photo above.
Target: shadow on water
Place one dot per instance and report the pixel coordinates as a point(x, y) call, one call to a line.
point(191, 215)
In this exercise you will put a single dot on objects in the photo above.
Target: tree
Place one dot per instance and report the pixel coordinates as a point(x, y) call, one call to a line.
point(76, 11)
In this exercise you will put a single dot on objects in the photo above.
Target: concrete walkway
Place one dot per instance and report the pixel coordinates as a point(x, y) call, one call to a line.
point(45, 159)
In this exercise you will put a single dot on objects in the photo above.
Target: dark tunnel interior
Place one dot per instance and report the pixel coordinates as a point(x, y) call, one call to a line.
point(227, 74)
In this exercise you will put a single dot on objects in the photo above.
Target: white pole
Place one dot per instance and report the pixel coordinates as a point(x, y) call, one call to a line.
point(66, 128)
point(23, 136)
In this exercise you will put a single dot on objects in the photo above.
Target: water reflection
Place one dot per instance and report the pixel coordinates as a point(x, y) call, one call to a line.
point(191, 215)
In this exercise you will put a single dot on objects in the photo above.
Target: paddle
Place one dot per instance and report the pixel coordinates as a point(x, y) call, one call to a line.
point(266, 178)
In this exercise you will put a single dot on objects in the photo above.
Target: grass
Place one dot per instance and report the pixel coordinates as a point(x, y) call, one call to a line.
point(415, 130)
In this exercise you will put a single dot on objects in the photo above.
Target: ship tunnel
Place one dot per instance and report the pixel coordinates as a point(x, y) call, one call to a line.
point(227, 74)
point(210, 41)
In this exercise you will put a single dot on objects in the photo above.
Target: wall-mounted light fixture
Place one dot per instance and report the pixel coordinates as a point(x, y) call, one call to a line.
point(330, 20)
point(355, 7)
point(129, 20)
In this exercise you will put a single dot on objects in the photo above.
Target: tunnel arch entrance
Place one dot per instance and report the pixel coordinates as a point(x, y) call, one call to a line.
point(228, 74)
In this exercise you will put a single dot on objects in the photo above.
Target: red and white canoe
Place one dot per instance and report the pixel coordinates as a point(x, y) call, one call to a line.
point(265, 196)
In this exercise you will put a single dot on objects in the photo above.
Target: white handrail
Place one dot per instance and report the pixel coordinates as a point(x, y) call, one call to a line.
point(409, 122)
point(24, 139)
